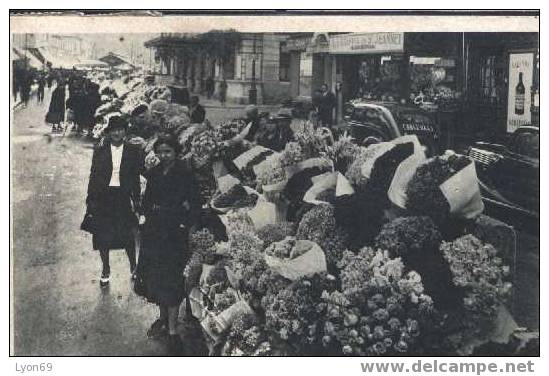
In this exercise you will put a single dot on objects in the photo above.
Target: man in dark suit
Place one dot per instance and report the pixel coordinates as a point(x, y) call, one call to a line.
point(197, 113)
point(326, 104)
point(114, 195)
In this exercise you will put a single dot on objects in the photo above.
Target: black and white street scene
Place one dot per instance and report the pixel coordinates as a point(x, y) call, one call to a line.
point(229, 193)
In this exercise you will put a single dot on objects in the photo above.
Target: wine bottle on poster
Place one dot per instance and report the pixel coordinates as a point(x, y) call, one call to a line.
point(519, 96)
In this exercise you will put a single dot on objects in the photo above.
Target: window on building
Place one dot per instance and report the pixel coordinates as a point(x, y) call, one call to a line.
point(488, 77)
point(284, 65)
point(305, 74)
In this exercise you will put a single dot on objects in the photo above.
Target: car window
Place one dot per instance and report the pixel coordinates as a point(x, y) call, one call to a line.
point(369, 115)
point(525, 143)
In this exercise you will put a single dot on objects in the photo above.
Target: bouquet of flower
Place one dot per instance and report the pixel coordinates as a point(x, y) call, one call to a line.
point(313, 141)
point(380, 310)
point(477, 269)
point(343, 152)
point(230, 129)
point(291, 154)
point(354, 172)
point(417, 240)
point(275, 232)
point(202, 243)
point(247, 338)
point(291, 314)
point(409, 235)
point(235, 197)
point(246, 262)
point(205, 146)
point(445, 186)
point(271, 171)
point(247, 161)
point(238, 221)
point(319, 225)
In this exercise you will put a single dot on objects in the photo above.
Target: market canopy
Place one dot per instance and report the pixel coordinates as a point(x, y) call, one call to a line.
point(114, 60)
point(90, 63)
point(56, 61)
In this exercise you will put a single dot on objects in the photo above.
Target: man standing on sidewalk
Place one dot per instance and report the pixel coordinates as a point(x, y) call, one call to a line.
point(326, 105)
point(197, 113)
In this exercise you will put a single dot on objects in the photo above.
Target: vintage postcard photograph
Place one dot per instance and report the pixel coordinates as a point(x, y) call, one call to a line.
point(300, 184)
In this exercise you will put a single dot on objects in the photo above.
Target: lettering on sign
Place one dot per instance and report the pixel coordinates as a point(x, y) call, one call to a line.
point(366, 43)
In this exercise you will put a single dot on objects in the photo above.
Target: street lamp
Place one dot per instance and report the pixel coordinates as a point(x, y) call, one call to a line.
point(252, 94)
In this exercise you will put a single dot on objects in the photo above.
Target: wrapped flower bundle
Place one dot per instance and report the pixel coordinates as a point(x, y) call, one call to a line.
point(319, 225)
point(238, 221)
point(381, 311)
point(235, 197)
point(477, 269)
point(385, 166)
point(424, 194)
point(354, 172)
point(417, 240)
point(275, 232)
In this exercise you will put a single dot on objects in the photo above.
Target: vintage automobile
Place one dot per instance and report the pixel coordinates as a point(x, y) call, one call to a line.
point(370, 122)
point(508, 175)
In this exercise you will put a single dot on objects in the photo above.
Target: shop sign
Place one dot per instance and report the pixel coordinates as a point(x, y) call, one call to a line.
point(520, 83)
point(298, 44)
point(366, 43)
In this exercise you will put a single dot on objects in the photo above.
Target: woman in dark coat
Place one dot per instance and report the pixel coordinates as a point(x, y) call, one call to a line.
point(171, 206)
point(56, 112)
point(113, 189)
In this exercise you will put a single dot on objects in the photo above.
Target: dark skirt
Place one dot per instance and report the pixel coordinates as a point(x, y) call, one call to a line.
point(162, 259)
point(116, 219)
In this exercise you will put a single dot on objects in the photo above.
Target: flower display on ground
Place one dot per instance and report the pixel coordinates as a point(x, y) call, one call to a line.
point(479, 271)
point(319, 225)
point(380, 311)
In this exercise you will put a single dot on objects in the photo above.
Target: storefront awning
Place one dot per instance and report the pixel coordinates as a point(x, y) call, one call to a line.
point(30, 59)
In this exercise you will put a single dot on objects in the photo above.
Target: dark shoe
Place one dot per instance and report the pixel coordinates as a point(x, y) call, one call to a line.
point(175, 346)
point(158, 329)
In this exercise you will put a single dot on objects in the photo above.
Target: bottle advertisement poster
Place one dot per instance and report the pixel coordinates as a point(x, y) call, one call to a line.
point(520, 83)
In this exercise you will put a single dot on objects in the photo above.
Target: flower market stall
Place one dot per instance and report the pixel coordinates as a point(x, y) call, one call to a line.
point(330, 248)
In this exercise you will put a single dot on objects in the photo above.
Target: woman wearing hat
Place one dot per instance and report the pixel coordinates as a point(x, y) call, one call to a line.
point(114, 187)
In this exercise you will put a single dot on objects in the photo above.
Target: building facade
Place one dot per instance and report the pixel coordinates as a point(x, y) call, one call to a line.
point(250, 64)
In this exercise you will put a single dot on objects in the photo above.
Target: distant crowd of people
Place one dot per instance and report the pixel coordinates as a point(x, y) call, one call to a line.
point(78, 107)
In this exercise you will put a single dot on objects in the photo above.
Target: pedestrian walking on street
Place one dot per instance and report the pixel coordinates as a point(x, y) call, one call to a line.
point(26, 88)
point(49, 80)
point(210, 87)
point(114, 196)
point(197, 113)
point(41, 81)
point(91, 102)
point(171, 206)
point(326, 106)
point(223, 92)
point(56, 111)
